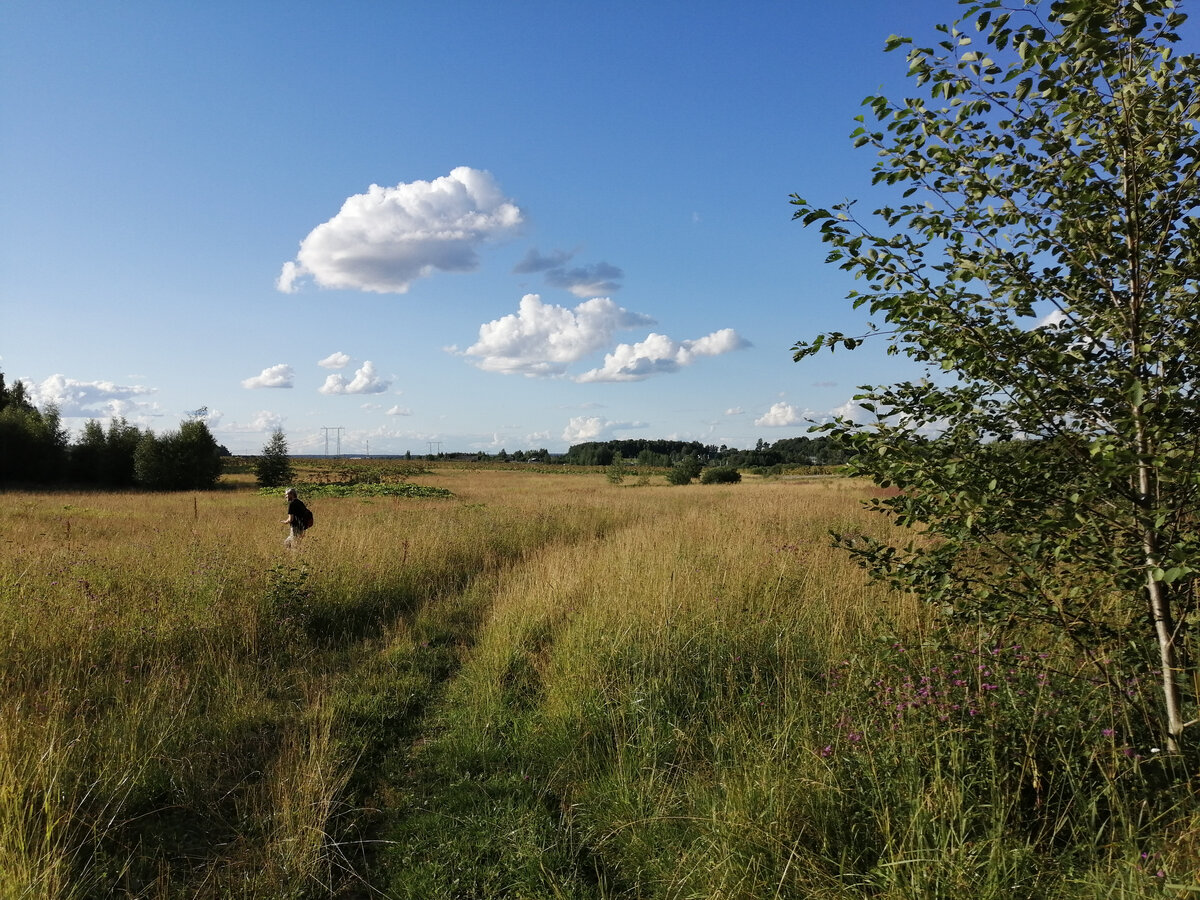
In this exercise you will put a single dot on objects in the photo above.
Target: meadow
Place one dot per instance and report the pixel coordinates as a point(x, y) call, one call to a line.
point(541, 686)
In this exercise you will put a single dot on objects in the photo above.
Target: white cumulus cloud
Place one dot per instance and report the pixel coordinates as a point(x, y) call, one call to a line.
point(86, 399)
point(365, 381)
point(853, 411)
point(280, 376)
point(591, 427)
point(399, 411)
point(338, 360)
point(385, 239)
point(267, 421)
point(1052, 319)
point(782, 414)
point(543, 339)
point(659, 354)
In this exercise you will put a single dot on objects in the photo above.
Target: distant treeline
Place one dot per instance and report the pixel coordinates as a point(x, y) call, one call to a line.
point(797, 451)
point(35, 449)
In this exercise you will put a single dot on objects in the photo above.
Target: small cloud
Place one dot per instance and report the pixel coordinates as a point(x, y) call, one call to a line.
point(280, 376)
point(264, 422)
point(825, 384)
point(384, 240)
point(210, 417)
point(542, 339)
point(267, 421)
point(533, 261)
point(780, 415)
point(659, 354)
point(338, 360)
point(595, 280)
point(592, 428)
point(399, 411)
point(853, 411)
point(587, 281)
point(1053, 319)
point(734, 411)
point(365, 381)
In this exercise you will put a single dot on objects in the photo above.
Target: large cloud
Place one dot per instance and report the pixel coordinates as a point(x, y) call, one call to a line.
point(659, 354)
point(365, 381)
point(279, 376)
point(385, 239)
point(543, 339)
point(87, 399)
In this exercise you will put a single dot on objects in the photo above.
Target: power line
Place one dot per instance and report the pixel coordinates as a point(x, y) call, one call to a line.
point(339, 429)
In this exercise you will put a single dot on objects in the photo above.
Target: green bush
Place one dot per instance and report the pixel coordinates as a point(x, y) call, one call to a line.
point(720, 475)
point(679, 475)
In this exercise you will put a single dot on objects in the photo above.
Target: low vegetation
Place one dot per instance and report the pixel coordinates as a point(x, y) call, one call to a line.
point(539, 686)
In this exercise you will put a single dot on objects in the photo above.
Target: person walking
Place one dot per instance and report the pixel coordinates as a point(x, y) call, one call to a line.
point(297, 518)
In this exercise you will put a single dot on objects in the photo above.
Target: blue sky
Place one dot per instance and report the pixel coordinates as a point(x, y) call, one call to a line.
point(465, 225)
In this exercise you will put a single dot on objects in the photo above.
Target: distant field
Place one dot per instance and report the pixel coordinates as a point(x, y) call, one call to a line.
point(535, 686)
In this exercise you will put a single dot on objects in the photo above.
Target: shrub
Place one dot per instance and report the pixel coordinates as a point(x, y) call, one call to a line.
point(679, 475)
point(616, 469)
point(720, 475)
point(684, 470)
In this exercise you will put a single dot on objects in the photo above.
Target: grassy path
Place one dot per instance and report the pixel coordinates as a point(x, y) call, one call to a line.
point(605, 682)
point(440, 819)
point(451, 818)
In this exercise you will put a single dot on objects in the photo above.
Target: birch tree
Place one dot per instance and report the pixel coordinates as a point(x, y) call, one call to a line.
point(1038, 258)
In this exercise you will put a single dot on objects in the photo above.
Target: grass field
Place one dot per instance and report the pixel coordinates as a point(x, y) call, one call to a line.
point(539, 686)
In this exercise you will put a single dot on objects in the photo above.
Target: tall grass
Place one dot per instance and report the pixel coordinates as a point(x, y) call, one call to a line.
point(710, 702)
point(178, 691)
point(541, 687)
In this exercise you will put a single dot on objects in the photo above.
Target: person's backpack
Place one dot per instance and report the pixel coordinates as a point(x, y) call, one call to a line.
point(306, 518)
